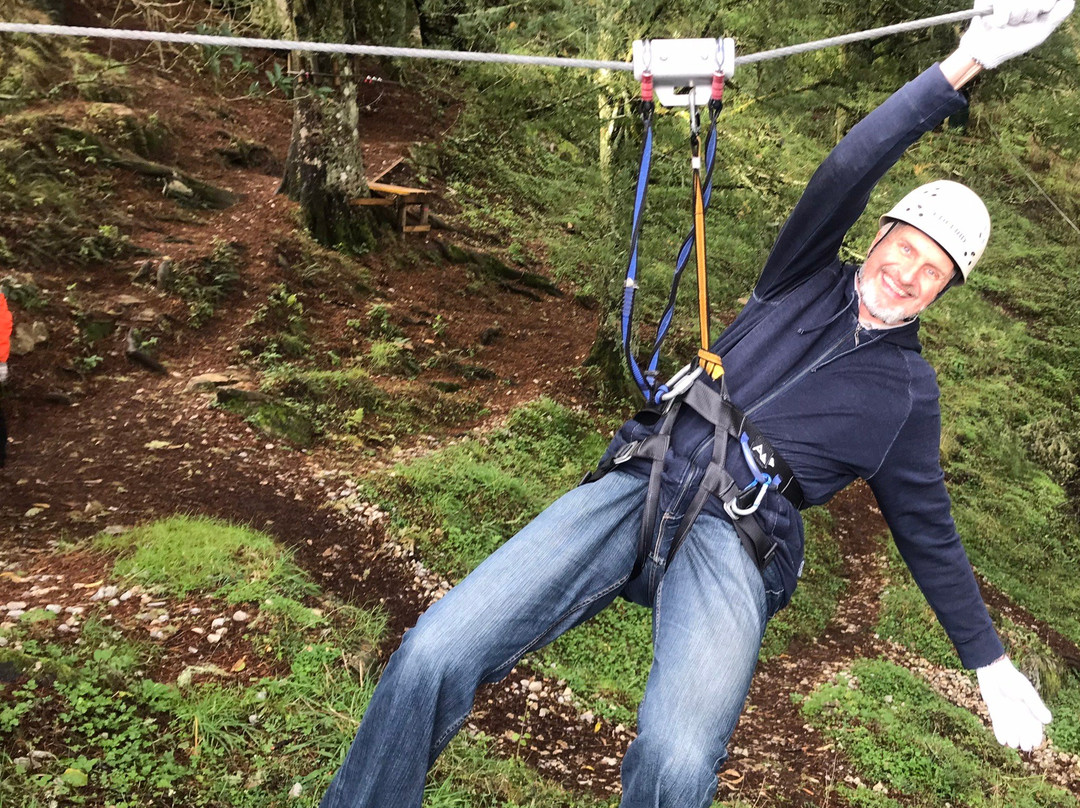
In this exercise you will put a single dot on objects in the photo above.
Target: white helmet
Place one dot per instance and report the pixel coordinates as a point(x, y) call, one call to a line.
point(952, 215)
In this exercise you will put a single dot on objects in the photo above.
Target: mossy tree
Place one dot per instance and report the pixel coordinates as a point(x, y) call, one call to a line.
point(619, 23)
point(324, 169)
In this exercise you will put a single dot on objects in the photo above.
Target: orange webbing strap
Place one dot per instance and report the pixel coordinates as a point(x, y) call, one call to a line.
point(699, 246)
point(710, 362)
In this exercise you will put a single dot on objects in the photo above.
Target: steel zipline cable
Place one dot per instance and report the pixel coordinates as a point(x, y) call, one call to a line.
point(458, 56)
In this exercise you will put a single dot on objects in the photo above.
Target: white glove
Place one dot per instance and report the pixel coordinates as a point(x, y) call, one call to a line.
point(1016, 711)
point(3, 372)
point(1014, 27)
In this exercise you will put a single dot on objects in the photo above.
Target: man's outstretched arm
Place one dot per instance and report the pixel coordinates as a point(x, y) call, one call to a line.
point(910, 489)
point(1017, 713)
point(839, 190)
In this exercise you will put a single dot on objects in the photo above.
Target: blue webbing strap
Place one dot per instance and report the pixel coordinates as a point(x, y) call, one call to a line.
point(646, 380)
point(630, 286)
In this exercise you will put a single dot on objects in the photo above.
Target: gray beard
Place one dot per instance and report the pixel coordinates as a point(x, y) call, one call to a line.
point(887, 316)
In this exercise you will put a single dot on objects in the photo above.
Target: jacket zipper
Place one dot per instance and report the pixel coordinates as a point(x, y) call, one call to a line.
point(692, 465)
point(801, 373)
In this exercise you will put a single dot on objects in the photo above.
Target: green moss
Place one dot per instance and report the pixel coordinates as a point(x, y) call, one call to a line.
point(898, 732)
point(185, 554)
point(278, 420)
point(125, 129)
point(348, 402)
point(42, 667)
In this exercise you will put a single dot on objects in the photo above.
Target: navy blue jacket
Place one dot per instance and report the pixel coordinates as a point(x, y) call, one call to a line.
point(839, 402)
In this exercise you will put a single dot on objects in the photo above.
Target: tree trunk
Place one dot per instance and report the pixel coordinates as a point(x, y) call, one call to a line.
point(325, 166)
point(616, 145)
point(324, 169)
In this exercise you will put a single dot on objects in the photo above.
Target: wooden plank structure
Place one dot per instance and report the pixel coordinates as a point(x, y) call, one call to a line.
point(386, 170)
point(405, 200)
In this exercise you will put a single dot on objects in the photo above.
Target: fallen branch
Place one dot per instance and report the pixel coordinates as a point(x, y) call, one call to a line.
point(491, 266)
point(190, 190)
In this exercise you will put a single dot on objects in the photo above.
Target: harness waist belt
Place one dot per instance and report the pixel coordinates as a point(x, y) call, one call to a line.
point(768, 467)
point(772, 462)
point(653, 448)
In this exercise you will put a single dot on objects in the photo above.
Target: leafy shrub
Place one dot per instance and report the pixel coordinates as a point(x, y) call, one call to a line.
point(379, 325)
point(392, 357)
point(205, 282)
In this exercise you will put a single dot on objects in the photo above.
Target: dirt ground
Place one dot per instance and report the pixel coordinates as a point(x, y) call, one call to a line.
point(122, 445)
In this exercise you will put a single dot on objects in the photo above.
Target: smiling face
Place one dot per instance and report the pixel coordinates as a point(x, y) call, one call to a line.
point(904, 273)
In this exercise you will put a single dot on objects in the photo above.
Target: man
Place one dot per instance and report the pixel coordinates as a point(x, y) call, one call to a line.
point(824, 363)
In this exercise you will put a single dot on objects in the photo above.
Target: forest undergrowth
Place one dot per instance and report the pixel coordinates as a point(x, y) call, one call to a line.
point(540, 166)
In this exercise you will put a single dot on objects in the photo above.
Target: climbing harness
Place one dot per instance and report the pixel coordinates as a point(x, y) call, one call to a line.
point(686, 388)
point(769, 470)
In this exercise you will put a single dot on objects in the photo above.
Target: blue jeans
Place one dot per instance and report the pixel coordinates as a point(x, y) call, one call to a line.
point(709, 614)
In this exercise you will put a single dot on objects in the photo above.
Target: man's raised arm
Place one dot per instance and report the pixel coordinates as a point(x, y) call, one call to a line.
point(838, 192)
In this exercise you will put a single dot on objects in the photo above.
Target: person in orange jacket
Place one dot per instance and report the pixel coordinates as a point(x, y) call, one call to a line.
point(5, 350)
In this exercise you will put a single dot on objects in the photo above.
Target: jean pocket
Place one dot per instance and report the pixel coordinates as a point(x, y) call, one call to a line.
point(774, 589)
point(641, 425)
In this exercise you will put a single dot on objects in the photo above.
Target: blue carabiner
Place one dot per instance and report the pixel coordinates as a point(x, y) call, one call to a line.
point(760, 477)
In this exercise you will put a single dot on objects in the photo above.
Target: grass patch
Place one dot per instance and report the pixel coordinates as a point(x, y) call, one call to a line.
point(35, 68)
point(1064, 730)
point(187, 554)
point(125, 738)
point(476, 506)
point(924, 750)
point(276, 418)
point(49, 202)
point(347, 404)
point(606, 661)
point(459, 504)
point(392, 357)
point(469, 775)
